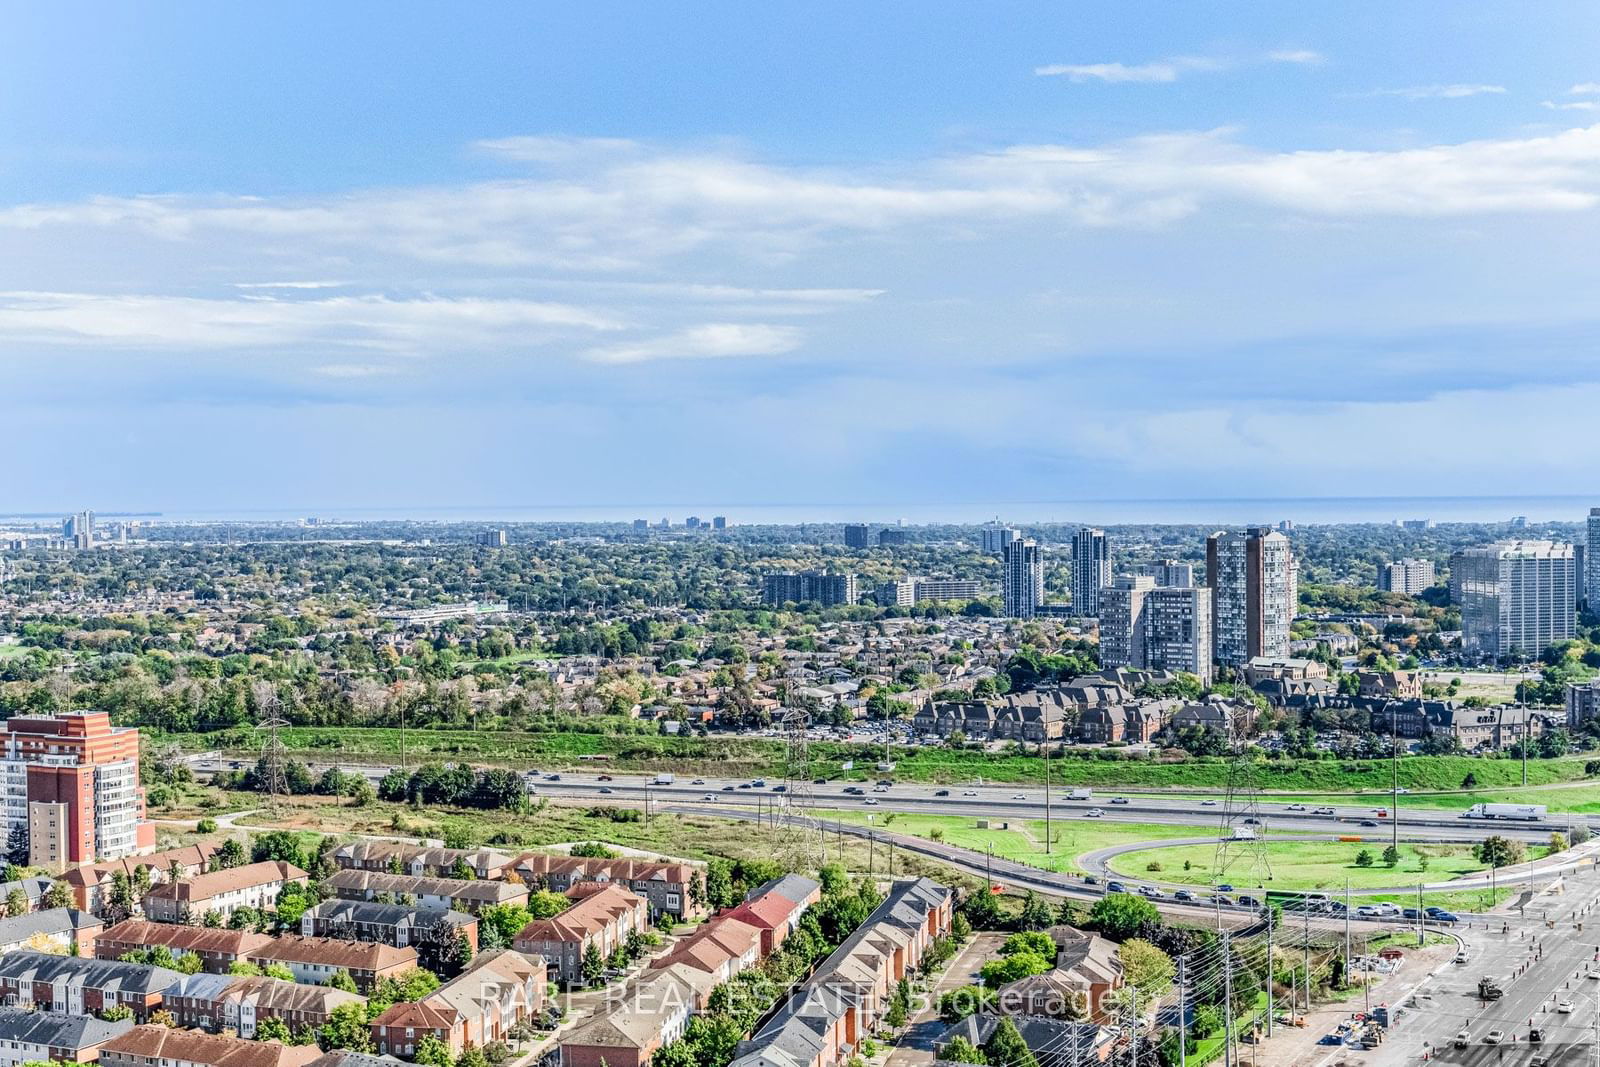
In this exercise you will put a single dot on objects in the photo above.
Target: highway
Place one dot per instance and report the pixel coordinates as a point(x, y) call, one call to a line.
point(1024, 802)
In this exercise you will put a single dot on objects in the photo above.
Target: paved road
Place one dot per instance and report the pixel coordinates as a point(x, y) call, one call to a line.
point(1537, 965)
point(1028, 802)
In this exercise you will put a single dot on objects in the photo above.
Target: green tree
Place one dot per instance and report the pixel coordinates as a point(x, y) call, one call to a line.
point(1498, 851)
point(116, 1013)
point(899, 1005)
point(1391, 857)
point(341, 980)
point(1120, 916)
point(544, 904)
point(1008, 969)
point(273, 1028)
point(960, 1050)
point(1364, 858)
point(231, 854)
point(59, 895)
point(1148, 971)
point(1029, 941)
point(1005, 1046)
point(433, 1053)
point(594, 965)
point(1035, 913)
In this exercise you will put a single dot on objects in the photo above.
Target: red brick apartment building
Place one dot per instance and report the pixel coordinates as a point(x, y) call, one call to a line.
point(73, 781)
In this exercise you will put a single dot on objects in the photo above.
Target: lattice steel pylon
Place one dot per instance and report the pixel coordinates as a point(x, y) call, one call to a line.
point(275, 778)
point(1241, 837)
point(799, 842)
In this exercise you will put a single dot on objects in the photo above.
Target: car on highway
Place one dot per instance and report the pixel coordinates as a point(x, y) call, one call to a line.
point(1116, 887)
point(941, 792)
point(1462, 1039)
point(744, 785)
point(605, 789)
point(552, 778)
point(1226, 902)
point(1410, 913)
point(969, 793)
point(1150, 891)
point(780, 789)
point(1224, 888)
point(727, 789)
point(870, 800)
point(1249, 902)
point(1368, 822)
point(603, 778)
point(710, 796)
point(1296, 807)
point(1322, 811)
point(1019, 796)
point(1208, 803)
point(1252, 821)
point(698, 781)
point(1093, 813)
point(1494, 1037)
point(1461, 957)
point(1593, 976)
point(1119, 800)
point(1183, 895)
point(1564, 1007)
point(1366, 911)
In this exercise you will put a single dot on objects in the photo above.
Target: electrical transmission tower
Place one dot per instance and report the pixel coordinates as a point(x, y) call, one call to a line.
point(274, 776)
point(800, 842)
point(1241, 837)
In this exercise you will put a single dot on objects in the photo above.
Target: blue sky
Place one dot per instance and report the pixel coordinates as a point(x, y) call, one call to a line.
point(853, 253)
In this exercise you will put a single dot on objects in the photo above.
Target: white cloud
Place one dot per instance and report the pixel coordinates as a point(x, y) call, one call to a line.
point(290, 285)
point(1161, 70)
point(1585, 89)
point(1295, 55)
point(1573, 105)
point(717, 340)
point(555, 149)
point(369, 322)
point(353, 370)
point(1438, 92)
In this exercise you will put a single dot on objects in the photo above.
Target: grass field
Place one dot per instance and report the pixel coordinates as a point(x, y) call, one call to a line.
point(763, 756)
point(1308, 864)
point(1023, 840)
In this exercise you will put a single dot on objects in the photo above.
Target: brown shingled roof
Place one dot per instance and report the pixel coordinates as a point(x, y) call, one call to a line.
point(214, 1050)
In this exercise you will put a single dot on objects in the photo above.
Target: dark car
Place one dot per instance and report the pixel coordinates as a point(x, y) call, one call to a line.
point(744, 785)
point(1116, 887)
point(1183, 894)
point(1249, 902)
point(819, 781)
point(941, 793)
point(780, 789)
point(1410, 913)
point(1368, 822)
point(603, 778)
point(1439, 915)
point(605, 789)
point(727, 789)
point(1090, 879)
point(1224, 888)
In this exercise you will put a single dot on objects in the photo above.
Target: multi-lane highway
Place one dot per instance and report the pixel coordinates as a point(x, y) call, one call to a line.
point(1354, 818)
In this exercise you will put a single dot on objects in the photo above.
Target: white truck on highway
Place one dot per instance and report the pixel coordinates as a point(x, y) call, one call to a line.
point(662, 779)
point(1081, 794)
point(1514, 812)
point(1244, 833)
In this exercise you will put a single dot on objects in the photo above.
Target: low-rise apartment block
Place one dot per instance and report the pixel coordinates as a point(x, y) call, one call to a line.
point(52, 930)
point(601, 915)
point(217, 949)
point(47, 1036)
point(388, 924)
point(824, 1023)
point(395, 857)
point(160, 1046)
point(254, 885)
point(496, 991)
point(445, 894)
point(666, 887)
point(230, 1002)
point(78, 985)
point(314, 960)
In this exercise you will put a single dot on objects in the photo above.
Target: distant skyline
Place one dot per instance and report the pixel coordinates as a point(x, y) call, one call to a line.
point(301, 258)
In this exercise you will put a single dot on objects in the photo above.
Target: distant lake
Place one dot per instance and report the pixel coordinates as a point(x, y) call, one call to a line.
point(1234, 511)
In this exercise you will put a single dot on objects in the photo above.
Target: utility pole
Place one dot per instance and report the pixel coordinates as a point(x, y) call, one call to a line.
point(1183, 1016)
point(872, 841)
point(1347, 930)
point(1421, 937)
point(1306, 959)
point(891, 858)
point(1366, 987)
point(1227, 998)
point(988, 869)
point(1269, 977)
point(1045, 747)
point(1394, 798)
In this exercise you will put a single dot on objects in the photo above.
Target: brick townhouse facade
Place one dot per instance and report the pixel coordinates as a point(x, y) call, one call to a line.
point(482, 1004)
point(601, 915)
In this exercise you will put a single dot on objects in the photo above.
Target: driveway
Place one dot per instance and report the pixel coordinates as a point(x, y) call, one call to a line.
point(915, 1047)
